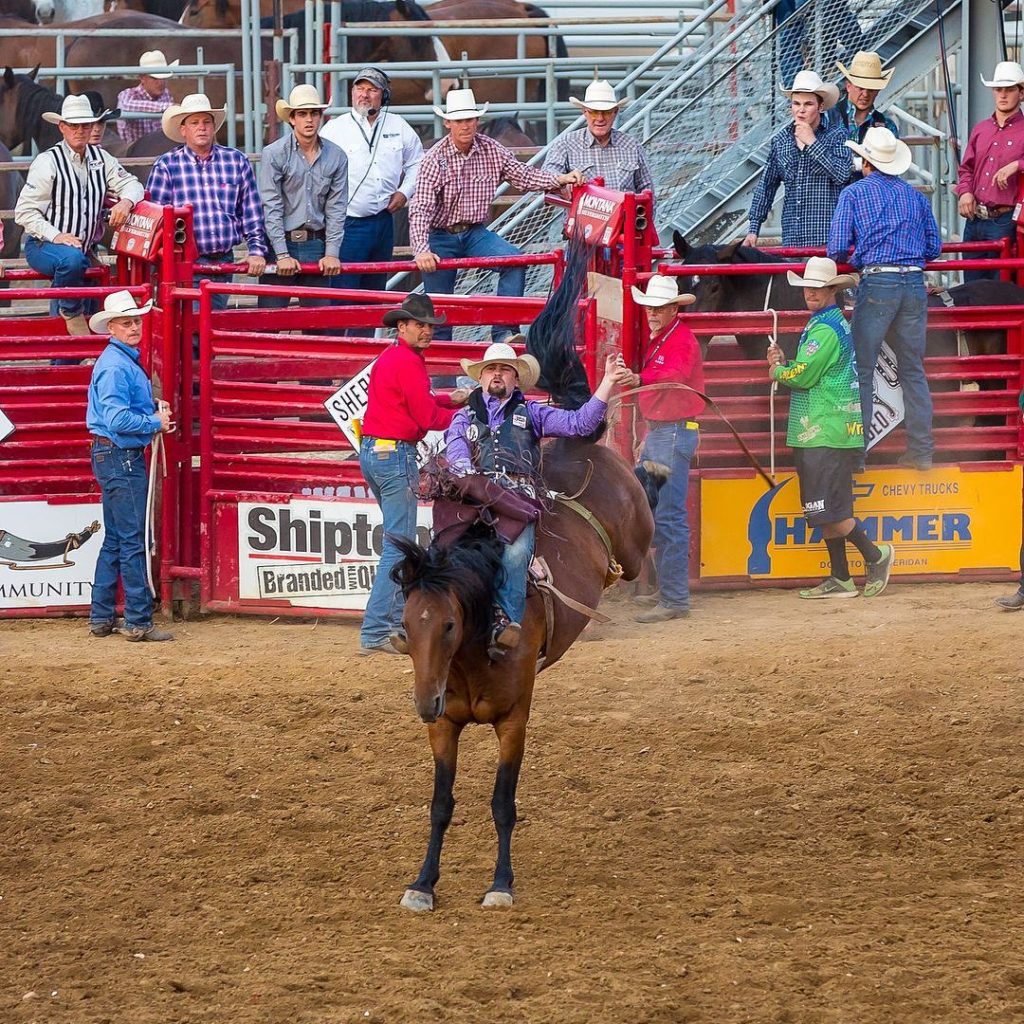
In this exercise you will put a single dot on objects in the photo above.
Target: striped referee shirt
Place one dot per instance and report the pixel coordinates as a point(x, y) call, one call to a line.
point(64, 192)
point(622, 163)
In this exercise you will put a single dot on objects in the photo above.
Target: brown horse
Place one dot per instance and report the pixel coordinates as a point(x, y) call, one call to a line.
point(449, 593)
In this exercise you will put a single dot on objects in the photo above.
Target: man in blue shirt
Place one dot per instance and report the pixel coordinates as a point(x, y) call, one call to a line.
point(122, 419)
point(891, 231)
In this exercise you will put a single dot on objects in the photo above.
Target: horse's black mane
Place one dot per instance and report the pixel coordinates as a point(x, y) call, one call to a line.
point(351, 10)
point(33, 101)
point(470, 568)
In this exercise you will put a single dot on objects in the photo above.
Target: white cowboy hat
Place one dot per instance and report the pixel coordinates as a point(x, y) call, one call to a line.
point(154, 61)
point(114, 305)
point(599, 96)
point(196, 103)
point(821, 272)
point(74, 110)
point(662, 291)
point(810, 81)
point(883, 151)
point(461, 106)
point(1008, 73)
point(526, 366)
point(302, 97)
point(866, 71)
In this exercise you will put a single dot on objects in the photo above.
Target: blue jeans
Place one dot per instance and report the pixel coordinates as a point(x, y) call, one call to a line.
point(393, 477)
point(515, 561)
point(310, 251)
point(673, 445)
point(121, 474)
point(367, 240)
point(978, 230)
point(894, 308)
point(477, 241)
point(63, 264)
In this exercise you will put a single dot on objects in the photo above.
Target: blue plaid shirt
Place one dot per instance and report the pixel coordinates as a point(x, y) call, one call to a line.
point(885, 222)
point(226, 204)
point(813, 176)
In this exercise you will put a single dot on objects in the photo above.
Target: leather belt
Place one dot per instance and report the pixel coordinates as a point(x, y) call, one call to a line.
point(304, 234)
point(107, 443)
point(885, 269)
point(686, 424)
point(986, 212)
point(457, 229)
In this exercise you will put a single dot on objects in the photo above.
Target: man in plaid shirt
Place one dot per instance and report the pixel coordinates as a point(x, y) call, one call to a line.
point(150, 96)
point(454, 191)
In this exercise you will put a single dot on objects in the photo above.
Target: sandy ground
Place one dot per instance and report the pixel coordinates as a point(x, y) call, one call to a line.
point(773, 811)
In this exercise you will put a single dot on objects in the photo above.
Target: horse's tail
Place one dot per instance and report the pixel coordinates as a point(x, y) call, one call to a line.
point(562, 85)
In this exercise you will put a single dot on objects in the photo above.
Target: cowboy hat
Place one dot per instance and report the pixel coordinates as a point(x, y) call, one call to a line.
point(866, 71)
point(74, 110)
point(810, 81)
point(461, 106)
point(662, 291)
point(102, 113)
point(821, 273)
point(196, 103)
point(599, 96)
point(883, 151)
point(415, 307)
point(154, 61)
point(302, 97)
point(1007, 74)
point(500, 352)
point(116, 304)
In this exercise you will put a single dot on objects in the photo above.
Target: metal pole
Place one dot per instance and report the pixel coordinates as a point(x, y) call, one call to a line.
point(200, 79)
point(246, 16)
point(231, 108)
point(309, 42)
point(256, 40)
point(335, 47)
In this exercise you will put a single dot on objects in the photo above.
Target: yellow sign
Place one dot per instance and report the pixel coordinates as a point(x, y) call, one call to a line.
point(943, 521)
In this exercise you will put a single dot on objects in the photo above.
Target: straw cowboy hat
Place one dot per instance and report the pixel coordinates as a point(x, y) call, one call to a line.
point(460, 106)
point(415, 307)
point(74, 110)
point(196, 103)
point(866, 71)
point(810, 81)
point(1008, 73)
point(599, 96)
point(114, 305)
point(662, 291)
point(883, 151)
point(154, 64)
point(302, 97)
point(821, 273)
point(526, 366)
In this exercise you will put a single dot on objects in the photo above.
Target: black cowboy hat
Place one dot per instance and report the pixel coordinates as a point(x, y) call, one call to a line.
point(416, 307)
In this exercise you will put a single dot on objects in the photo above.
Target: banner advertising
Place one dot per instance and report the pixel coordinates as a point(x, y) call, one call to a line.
point(313, 553)
point(48, 553)
point(944, 521)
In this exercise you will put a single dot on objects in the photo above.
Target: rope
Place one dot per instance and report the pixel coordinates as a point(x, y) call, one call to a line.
point(159, 454)
point(775, 383)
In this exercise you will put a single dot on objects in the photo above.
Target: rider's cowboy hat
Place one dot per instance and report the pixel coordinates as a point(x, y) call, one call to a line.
point(662, 291)
point(116, 304)
point(74, 110)
point(154, 64)
point(883, 151)
point(196, 103)
point(810, 81)
point(415, 307)
point(460, 105)
point(1008, 73)
point(866, 71)
point(526, 365)
point(820, 272)
point(302, 97)
point(599, 96)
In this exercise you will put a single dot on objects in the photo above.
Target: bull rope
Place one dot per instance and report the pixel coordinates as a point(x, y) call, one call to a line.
point(159, 455)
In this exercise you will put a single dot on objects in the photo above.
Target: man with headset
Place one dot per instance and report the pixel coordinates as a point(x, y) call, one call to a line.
point(384, 154)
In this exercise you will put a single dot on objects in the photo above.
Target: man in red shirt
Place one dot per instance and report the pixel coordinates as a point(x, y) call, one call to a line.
point(672, 356)
point(990, 169)
point(400, 410)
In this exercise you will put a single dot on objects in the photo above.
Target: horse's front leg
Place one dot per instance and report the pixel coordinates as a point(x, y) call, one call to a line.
point(511, 734)
point(444, 742)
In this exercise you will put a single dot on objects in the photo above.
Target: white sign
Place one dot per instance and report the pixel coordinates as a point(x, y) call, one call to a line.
point(313, 553)
point(48, 553)
point(6, 426)
point(887, 410)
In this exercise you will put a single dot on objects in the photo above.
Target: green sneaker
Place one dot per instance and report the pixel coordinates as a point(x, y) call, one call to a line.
point(877, 578)
point(830, 587)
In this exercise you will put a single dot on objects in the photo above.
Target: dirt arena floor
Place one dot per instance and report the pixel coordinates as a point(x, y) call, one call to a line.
point(773, 811)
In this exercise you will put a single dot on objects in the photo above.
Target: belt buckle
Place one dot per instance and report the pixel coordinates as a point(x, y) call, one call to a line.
point(299, 235)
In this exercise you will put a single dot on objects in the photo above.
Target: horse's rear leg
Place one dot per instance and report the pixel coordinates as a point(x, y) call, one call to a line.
point(511, 742)
point(444, 742)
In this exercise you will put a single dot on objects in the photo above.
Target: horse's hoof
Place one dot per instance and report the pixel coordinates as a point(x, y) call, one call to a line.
point(418, 902)
point(498, 899)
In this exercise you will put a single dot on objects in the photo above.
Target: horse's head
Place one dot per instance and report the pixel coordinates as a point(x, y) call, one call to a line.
point(713, 291)
point(45, 11)
point(418, 47)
